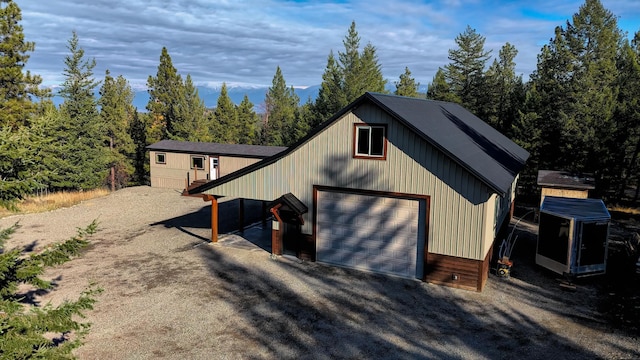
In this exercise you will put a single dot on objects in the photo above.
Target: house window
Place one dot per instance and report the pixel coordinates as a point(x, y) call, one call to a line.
point(370, 141)
point(197, 162)
point(161, 158)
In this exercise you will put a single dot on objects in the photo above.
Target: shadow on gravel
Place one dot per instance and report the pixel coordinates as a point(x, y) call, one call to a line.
point(228, 212)
point(324, 312)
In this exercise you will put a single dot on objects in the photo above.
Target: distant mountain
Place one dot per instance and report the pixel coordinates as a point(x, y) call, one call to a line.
point(256, 95)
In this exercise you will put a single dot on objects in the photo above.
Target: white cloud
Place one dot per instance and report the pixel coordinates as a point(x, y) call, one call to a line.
point(242, 42)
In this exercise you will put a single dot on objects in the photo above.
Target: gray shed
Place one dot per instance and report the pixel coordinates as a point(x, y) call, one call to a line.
point(573, 236)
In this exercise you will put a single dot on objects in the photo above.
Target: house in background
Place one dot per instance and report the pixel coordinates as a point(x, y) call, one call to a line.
point(402, 186)
point(564, 184)
point(173, 162)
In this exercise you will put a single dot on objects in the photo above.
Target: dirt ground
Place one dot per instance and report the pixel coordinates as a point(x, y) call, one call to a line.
point(170, 294)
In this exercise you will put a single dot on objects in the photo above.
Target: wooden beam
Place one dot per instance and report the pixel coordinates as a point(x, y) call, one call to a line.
point(214, 216)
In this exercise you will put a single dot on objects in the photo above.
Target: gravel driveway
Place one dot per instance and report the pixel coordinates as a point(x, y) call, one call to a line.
point(169, 294)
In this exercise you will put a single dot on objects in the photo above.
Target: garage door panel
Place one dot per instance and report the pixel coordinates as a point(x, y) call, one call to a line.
point(369, 232)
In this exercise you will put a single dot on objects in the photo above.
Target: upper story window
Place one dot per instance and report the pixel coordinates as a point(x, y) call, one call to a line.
point(197, 162)
point(161, 158)
point(370, 141)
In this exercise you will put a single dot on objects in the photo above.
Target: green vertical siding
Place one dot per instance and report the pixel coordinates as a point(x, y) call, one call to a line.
point(458, 216)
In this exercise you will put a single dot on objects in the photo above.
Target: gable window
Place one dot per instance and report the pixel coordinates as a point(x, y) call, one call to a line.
point(161, 158)
point(197, 162)
point(370, 141)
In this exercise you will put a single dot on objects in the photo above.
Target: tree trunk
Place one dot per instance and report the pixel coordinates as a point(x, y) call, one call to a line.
point(113, 167)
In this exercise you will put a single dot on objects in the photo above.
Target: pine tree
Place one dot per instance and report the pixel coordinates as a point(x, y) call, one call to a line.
point(347, 79)
point(371, 73)
point(226, 119)
point(439, 89)
point(548, 99)
point(82, 159)
point(138, 132)
point(502, 94)
point(165, 91)
point(280, 117)
point(594, 38)
point(116, 112)
point(17, 164)
point(407, 85)
point(189, 114)
point(247, 122)
point(464, 73)
point(627, 118)
point(17, 88)
point(30, 331)
point(331, 98)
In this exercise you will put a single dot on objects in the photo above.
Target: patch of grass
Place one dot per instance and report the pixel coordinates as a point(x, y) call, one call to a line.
point(36, 204)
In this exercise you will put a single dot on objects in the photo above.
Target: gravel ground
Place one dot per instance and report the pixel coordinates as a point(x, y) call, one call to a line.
point(169, 294)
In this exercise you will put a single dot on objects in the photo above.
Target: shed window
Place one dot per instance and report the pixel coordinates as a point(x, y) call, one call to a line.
point(197, 162)
point(370, 141)
point(161, 158)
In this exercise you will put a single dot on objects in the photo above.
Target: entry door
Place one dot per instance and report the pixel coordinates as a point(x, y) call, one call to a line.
point(370, 232)
point(213, 167)
point(593, 243)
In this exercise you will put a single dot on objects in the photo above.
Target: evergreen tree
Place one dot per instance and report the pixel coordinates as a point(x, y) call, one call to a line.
point(371, 73)
point(30, 331)
point(627, 116)
point(574, 90)
point(407, 85)
point(347, 79)
point(548, 99)
point(464, 73)
point(81, 157)
point(165, 92)
point(116, 112)
point(17, 87)
point(439, 88)
point(17, 164)
point(280, 117)
point(593, 38)
point(138, 133)
point(331, 98)
point(503, 90)
point(226, 118)
point(247, 122)
point(190, 121)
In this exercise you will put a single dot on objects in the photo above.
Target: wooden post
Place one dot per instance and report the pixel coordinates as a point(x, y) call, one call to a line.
point(214, 216)
point(241, 215)
point(276, 234)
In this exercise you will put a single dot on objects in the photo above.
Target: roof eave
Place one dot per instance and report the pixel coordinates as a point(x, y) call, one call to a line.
point(487, 182)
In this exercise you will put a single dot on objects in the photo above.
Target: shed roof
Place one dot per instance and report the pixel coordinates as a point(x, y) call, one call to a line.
point(565, 180)
point(475, 145)
point(253, 151)
point(292, 202)
point(580, 209)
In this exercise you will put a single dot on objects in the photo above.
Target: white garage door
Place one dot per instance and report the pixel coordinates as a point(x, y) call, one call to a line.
point(375, 233)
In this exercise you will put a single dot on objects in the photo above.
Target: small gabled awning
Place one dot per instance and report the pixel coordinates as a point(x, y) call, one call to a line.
point(290, 208)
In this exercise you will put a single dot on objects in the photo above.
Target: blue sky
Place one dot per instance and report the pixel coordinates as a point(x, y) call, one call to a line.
point(242, 42)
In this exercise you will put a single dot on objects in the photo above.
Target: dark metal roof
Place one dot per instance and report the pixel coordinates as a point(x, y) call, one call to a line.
point(292, 202)
point(253, 151)
point(580, 209)
point(476, 146)
point(565, 180)
point(468, 140)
